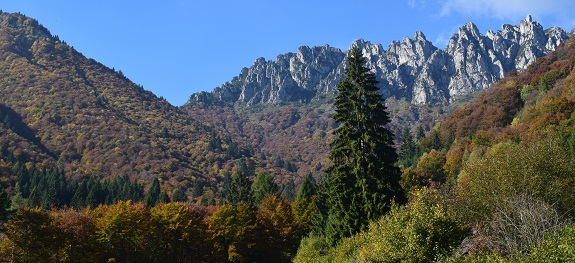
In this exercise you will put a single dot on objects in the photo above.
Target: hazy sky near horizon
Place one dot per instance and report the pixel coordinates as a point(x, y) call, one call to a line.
point(177, 47)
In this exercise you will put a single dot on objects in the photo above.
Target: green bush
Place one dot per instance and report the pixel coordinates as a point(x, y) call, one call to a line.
point(312, 249)
point(542, 170)
point(422, 231)
point(516, 194)
point(525, 91)
point(559, 247)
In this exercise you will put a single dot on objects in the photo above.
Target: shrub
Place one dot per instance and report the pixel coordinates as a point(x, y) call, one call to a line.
point(558, 247)
point(421, 231)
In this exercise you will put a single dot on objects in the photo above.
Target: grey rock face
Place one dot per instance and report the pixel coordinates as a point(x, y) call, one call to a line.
point(412, 68)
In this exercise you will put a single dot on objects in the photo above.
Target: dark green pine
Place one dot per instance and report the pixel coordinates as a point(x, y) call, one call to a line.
point(407, 149)
point(306, 189)
point(263, 187)
point(151, 198)
point(363, 179)
point(240, 189)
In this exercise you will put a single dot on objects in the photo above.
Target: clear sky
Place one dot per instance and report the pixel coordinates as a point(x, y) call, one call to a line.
point(177, 47)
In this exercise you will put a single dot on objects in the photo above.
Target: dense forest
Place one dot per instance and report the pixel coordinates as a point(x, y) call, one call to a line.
point(94, 168)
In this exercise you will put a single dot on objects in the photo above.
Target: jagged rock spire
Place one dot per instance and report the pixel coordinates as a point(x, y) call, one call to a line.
point(412, 68)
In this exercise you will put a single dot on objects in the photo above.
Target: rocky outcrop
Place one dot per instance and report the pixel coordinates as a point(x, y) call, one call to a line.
point(413, 68)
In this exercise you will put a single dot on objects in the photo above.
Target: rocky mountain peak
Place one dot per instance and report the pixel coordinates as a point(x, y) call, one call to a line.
point(412, 69)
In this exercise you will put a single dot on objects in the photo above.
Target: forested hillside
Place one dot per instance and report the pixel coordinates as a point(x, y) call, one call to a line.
point(493, 182)
point(61, 110)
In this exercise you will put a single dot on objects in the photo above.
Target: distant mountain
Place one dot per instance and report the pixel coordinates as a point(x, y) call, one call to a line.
point(413, 69)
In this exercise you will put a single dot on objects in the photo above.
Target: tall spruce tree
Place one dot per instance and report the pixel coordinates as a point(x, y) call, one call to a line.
point(306, 189)
point(363, 179)
point(263, 187)
point(151, 198)
point(407, 149)
point(240, 189)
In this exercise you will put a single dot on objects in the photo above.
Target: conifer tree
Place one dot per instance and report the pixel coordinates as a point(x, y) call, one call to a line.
point(306, 189)
point(240, 189)
point(5, 204)
point(79, 199)
point(179, 195)
point(163, 198)
point(419, 134)
point(288, 190)
point(407, 149)
point(362, 180)
point(263, 186)
point(151, 198)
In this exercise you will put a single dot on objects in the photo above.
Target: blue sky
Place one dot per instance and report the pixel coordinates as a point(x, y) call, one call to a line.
point(177, 47)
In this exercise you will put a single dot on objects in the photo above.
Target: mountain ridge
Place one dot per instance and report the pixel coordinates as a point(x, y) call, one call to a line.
point(413, 69)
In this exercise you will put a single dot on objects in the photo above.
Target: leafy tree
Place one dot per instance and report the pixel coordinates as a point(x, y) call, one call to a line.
point(363, 180)
point(263, 187)
point(31, 233)
point(232, 230)
point(240, 189)
point(430, 168)
point(278, 236)
point(123, 231)
point(76, 236)
point(407, 149)
point(555, 248)
point(519, 193)
point(542, 170)
point(179, 234)
point(421, 231)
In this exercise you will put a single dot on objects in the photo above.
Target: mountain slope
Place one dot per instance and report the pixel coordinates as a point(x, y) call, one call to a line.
point(67, 110)
point(535, 105)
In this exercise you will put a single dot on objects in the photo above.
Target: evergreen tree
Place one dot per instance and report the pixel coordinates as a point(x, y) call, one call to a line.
point(163, 198)
point(240, 189)
point(363, 180)
point(226, 184)
point(179, 195)
point(35, 200)
point(198, 188)
point(306, 189)
point(435, 141)
point(92, 197)
point(263, 186)
point(407, 149)
point(288, 190)
point(420, 134)
point(5, 204)
point(151, 198)
point(79, 199)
